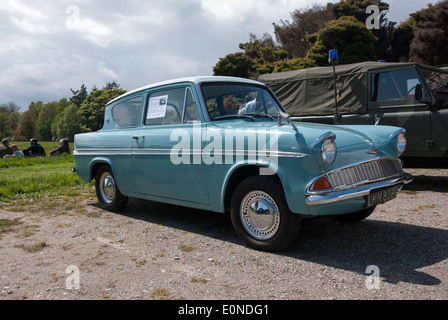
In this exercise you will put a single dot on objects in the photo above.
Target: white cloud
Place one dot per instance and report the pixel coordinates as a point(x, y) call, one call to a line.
point(103, 69)
point(48, 47)
point(16, 7)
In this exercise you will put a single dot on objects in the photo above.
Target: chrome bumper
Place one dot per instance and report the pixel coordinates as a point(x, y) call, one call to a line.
point(360, 191)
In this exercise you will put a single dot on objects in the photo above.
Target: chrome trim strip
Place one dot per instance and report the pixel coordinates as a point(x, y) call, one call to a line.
point(102, 152)
point(136, 151)
point(323, 137)
point(396, 133)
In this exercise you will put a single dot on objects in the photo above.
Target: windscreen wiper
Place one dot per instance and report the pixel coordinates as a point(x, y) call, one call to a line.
point(234, 116)
point(256, 114)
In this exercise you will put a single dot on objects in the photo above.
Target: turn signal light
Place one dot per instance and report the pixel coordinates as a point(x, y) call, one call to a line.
point(321, 184)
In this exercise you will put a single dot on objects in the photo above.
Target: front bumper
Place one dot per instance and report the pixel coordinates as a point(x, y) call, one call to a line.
point(360, 191)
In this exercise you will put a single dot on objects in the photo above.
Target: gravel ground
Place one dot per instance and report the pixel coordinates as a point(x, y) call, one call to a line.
point(66, 247)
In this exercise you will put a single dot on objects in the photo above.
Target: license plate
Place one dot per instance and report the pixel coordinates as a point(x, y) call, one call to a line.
point(382, 196)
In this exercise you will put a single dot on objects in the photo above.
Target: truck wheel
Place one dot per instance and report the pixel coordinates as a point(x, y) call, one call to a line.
point(260, 214)
point(107, 191)
point(355, 216)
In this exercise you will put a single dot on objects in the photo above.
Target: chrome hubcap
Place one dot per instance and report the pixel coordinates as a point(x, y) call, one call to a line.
point(107, 187)
point(260, 215)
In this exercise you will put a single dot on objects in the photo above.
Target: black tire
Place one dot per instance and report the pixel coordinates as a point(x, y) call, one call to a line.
point(107, 191)
point(355, 216)
point(274, 226)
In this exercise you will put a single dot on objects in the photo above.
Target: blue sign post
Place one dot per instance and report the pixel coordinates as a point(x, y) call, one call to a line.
point(333, 58)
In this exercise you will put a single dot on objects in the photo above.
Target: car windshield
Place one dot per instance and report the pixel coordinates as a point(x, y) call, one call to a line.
point(230, 101)
point(437, 79)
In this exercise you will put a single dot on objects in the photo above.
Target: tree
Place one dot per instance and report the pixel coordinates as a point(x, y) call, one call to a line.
point(45, 120)
point(402, 38)
point(4, 130)
point(357, 9)
point(9, 119)
point(384, 34)
point(431, 36)
point(234, 64)
point(27, 127)
point(350, 37)
point(78, 96)
point(69, 122)
point(291, 35)
point(9, 107)
point(260, 56)
point(111, 85)
point(93, 107)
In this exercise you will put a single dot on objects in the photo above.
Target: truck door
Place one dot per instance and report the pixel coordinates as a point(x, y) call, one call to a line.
point(391, 99)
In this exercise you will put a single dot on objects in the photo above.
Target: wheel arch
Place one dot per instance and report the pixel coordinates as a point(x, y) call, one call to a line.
point(96, 164)
point(237, 176)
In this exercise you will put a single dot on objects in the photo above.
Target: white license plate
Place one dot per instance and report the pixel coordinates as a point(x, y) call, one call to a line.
point(382, 196)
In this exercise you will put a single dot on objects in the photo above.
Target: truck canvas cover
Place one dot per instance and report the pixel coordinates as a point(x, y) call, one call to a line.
point(310, 92)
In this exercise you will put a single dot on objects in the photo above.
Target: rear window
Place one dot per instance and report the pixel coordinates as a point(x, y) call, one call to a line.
point(127, 113)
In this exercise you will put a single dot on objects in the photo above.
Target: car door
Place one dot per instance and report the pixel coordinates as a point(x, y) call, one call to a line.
point(167, 147)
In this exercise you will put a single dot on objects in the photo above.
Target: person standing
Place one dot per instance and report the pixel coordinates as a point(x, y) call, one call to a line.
point(35, 150)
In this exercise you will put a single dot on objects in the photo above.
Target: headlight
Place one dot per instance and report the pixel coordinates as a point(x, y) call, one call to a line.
point(401, 142)
point(327, 147)
point(400, 135)
point(329, 150)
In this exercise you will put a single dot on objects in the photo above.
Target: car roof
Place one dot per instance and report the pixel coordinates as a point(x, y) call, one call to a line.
point(194, 80)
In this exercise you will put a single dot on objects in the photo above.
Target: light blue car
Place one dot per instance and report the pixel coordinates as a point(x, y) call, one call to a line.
point(225, 144)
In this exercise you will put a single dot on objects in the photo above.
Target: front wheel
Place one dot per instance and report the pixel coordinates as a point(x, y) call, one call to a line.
point(107, 191)
point(260, 214)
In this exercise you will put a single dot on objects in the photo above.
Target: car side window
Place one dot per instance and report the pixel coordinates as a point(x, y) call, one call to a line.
point(127, 113)
point(394, 85)
point(191, 110)
point(171, 106)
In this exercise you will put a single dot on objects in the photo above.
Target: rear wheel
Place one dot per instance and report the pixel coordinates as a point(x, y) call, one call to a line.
point(260, 214)
point(107, 191)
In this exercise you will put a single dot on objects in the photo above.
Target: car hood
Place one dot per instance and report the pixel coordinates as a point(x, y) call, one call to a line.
point(346, 135)
point(353, 140)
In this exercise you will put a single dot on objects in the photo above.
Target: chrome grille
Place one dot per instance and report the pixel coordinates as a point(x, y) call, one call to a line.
point(365, 172)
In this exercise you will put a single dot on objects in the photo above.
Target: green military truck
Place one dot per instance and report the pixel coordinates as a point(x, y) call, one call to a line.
point(408, 95)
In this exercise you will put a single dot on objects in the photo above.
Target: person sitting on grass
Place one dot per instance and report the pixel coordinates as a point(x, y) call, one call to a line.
point(5, 149)
point(63, 148)
point(16, 151)
point(35, 150)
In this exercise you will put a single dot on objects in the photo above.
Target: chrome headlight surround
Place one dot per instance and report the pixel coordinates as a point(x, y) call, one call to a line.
point(400, 135)
point(328, 147)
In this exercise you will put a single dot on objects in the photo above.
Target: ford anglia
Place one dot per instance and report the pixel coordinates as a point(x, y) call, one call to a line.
point(226, 145)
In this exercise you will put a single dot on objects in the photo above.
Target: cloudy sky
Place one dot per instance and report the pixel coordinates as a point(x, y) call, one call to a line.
point(48, 47)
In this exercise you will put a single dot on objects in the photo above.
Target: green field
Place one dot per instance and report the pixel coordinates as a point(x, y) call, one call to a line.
point(34, 178)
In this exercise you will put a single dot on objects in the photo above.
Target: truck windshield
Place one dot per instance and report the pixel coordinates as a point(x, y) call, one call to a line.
point(233, 100)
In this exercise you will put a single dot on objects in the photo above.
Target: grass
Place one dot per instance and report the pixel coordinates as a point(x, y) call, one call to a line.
point(34, 178)
point(6, 225)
